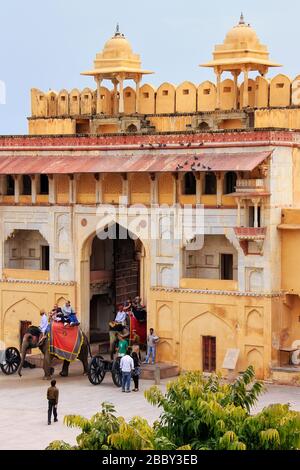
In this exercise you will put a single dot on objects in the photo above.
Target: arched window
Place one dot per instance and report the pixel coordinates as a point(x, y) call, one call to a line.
point(132, 128)
point(189, 184)
point(210, 183)
point(204, 126)
point(26, 185)
point(10, 185)
point(44, 184)
point(230, 182)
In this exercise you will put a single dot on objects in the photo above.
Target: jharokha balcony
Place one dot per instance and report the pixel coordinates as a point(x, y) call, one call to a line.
point(251, 239)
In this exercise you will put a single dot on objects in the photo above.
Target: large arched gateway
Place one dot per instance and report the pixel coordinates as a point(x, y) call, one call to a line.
point(116, 273)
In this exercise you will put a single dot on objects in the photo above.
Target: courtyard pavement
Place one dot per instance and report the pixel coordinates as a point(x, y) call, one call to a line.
point(23, 417)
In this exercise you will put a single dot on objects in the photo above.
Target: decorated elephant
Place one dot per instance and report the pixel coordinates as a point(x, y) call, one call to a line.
point(31, 341)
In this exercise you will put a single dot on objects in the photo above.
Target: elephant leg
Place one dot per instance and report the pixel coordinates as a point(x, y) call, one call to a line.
point(48, 370)
point(83, 356)
point(65, 369)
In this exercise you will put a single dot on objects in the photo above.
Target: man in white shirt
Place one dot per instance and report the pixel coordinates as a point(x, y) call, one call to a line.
point(121, 315)
point(127, 366)
point(44, 326)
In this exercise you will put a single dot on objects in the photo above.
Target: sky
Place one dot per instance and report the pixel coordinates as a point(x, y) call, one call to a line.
point(46, 44)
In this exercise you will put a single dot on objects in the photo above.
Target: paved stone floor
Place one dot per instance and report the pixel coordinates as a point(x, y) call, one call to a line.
point(23, 416)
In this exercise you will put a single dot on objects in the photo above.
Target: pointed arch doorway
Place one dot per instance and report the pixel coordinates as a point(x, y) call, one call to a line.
point(116, 268)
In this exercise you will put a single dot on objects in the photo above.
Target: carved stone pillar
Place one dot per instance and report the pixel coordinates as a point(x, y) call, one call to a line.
point(17, 188)
point(52, 189)
point(219, 77)
point(33, 188)
point(98, 80)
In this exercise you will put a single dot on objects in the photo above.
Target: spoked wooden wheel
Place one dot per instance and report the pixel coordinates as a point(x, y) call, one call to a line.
point(96, 372)
point(12, 361)
point(116, 373)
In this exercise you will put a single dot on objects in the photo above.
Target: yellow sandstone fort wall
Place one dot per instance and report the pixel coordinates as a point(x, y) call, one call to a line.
point(181, 318)
point(277, 118)
point(64, 126)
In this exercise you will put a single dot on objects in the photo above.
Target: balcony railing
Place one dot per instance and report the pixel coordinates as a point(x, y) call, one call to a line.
point(249, 185)
point(250, 233)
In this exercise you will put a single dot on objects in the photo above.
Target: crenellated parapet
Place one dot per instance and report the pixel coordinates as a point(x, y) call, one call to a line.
point(187, 97)
point(278, 92)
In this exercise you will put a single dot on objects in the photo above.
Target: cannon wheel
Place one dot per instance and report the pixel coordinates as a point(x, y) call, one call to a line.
point(12, 361)
point(116, 373)
point(96, 371)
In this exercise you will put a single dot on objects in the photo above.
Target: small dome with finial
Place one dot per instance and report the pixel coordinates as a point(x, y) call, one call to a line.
point(242, 36)
point(117, 47)
point(117, 56)
point(241, 47)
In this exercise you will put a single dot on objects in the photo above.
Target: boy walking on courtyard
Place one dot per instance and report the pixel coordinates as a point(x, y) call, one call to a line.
point(52, 397)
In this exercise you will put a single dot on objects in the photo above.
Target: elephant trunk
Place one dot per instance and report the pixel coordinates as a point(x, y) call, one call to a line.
point(23, 357)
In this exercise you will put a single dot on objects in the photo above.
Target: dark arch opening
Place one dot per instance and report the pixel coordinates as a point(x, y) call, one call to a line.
point(189, 184)
point(10, 185)
point(26, 185)
point(210, 183)
point(44, 184)
point(230, 182)
point(204, 126)
point(132, 128)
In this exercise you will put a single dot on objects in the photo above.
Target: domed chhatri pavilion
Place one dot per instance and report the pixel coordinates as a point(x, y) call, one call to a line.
point(230, 289)
point(117, 63)
point(241, 52)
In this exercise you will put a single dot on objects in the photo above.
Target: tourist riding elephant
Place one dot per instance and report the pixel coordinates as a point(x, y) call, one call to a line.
point(31, 340)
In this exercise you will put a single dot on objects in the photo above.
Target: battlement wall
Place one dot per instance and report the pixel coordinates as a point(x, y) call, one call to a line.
point(278, 92)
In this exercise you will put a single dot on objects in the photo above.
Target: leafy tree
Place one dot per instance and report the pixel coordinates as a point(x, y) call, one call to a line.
point(94, 432)
point(197, 413)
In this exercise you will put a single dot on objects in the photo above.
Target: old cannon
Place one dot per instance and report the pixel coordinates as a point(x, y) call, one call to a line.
point(98, 368)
